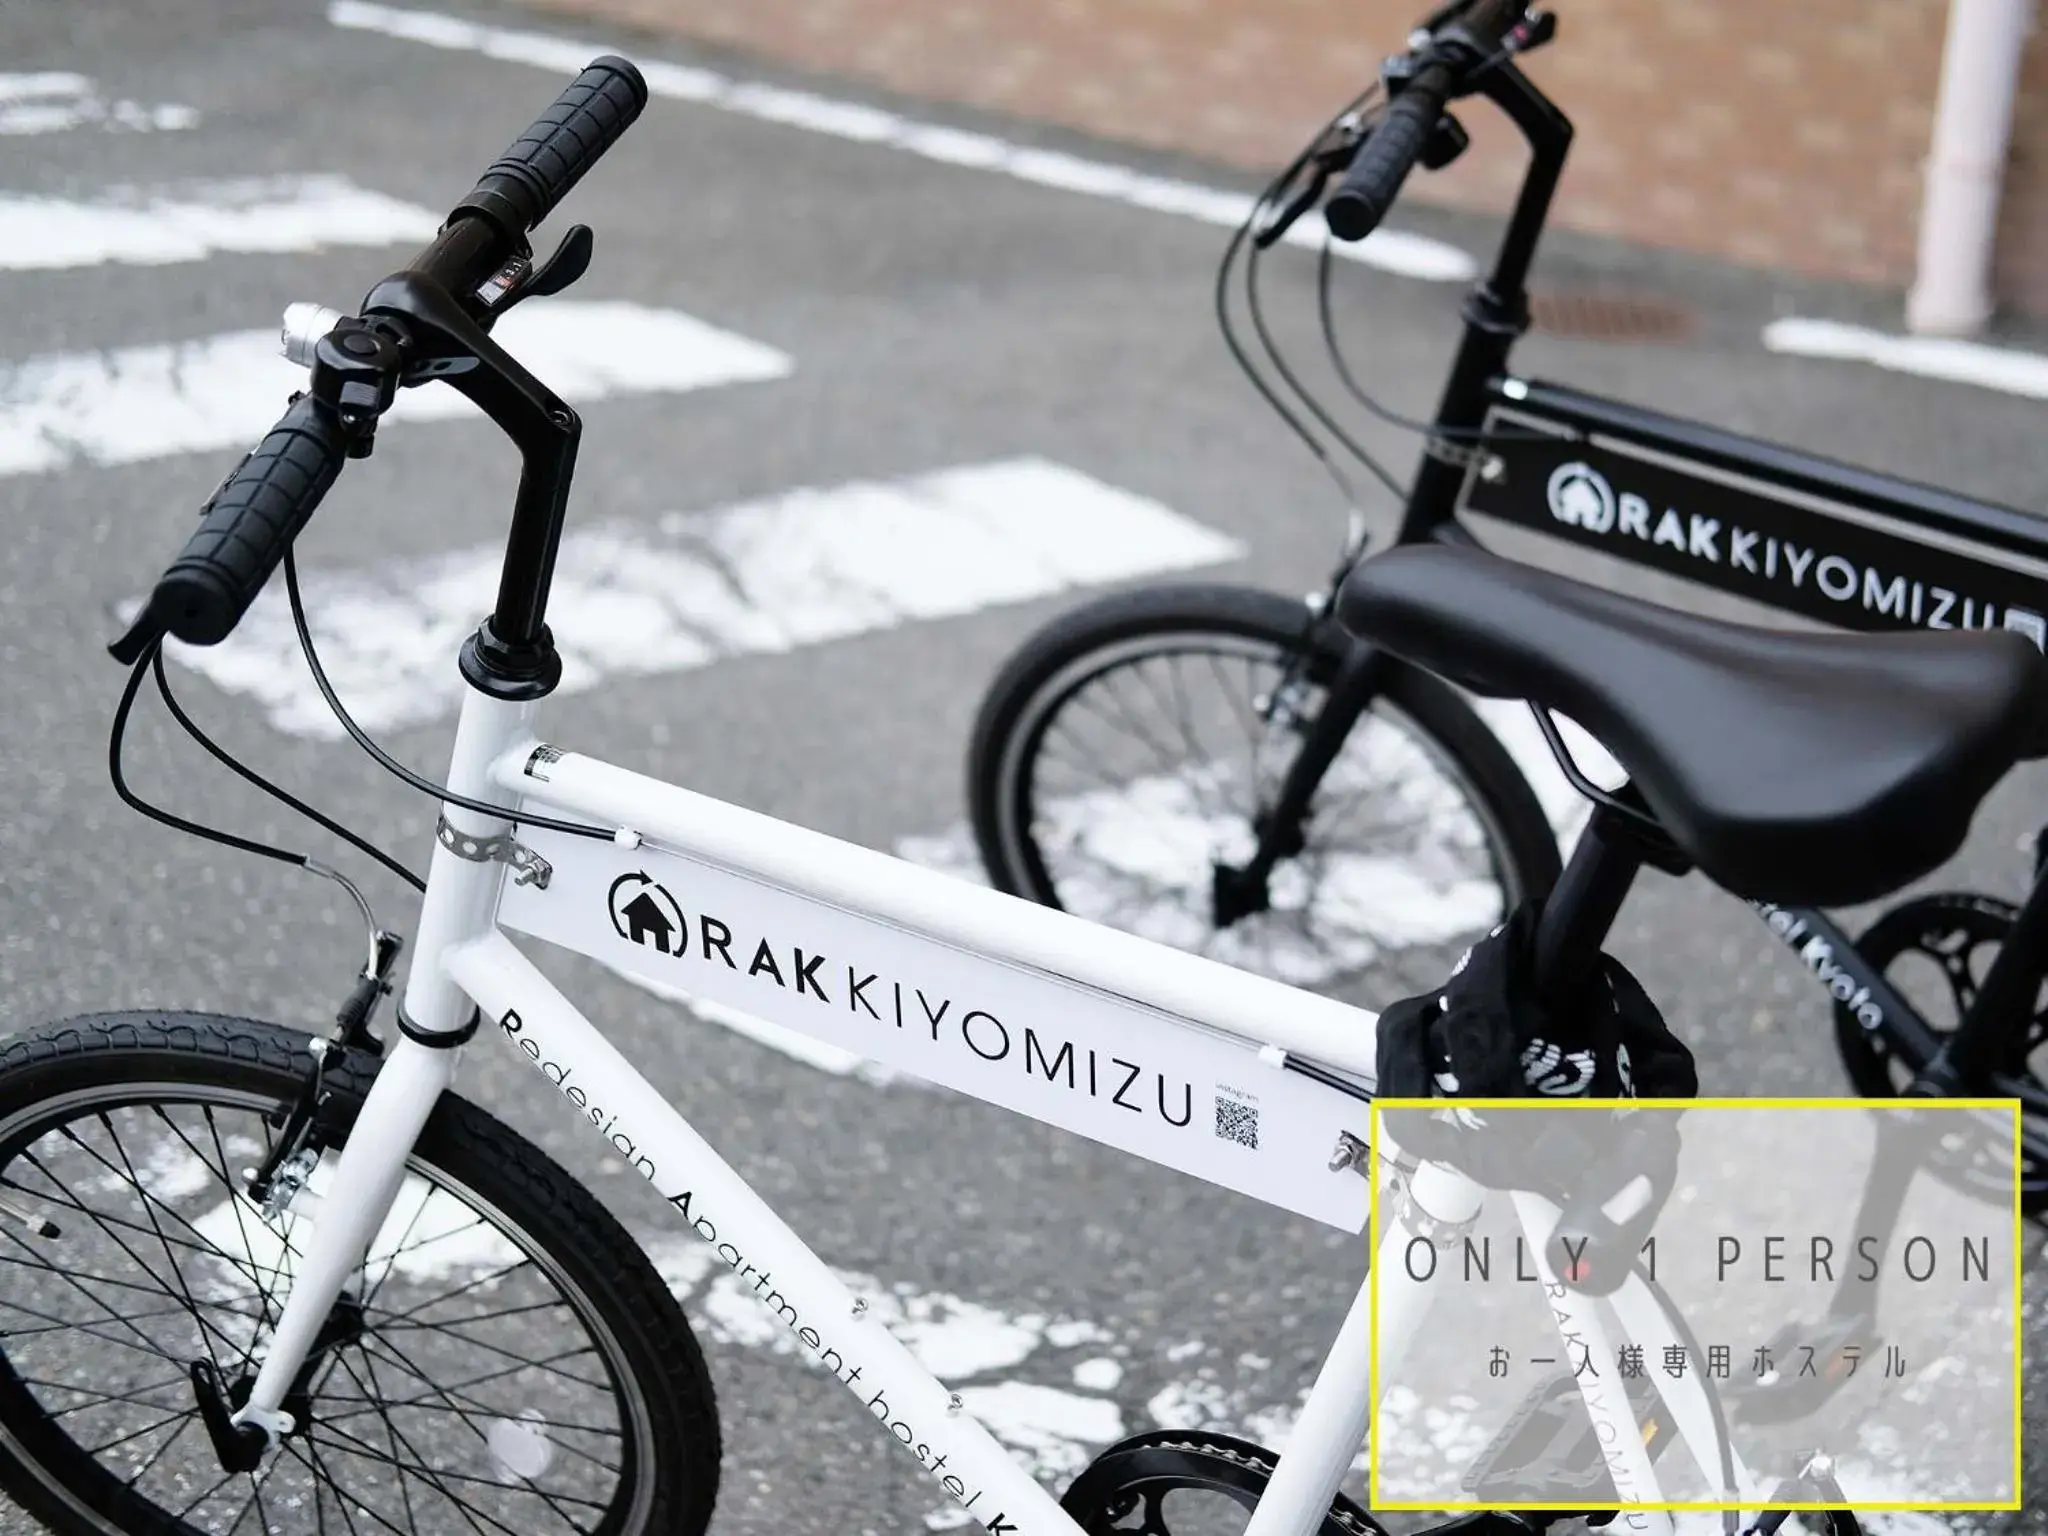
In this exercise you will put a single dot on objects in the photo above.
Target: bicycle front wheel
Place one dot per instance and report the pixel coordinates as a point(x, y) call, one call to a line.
point(1126, 752)
point(505, 1361)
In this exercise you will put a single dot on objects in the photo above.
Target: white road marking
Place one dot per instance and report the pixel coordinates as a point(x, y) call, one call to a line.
point(156, 225)
point(1054, 1430)
point(226, 391)
point(1390, 250)
point(1100, 1374)
point(763, 576)
point(1933, 357)
point(51, 101)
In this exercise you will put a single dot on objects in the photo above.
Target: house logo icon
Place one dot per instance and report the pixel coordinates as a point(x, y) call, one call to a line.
point(1580, 497)
point(644, 913)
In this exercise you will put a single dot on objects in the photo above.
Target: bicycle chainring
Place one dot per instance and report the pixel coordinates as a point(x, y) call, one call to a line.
point(1956, 933)
point(1123, 1492)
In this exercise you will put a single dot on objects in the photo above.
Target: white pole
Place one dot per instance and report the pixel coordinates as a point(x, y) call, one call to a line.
point(1980, 69)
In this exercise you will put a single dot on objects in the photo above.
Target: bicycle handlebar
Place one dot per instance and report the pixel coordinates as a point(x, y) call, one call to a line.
point(1373, 179)
point(249, 522)
point(523, 185)
point(259, 509)
point(1459, 44)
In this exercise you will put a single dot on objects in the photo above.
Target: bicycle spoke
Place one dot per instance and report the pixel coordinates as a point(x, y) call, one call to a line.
point(142, 1471)
point(1167, 761)
point(148, 1210)
point(255, 1501)
point(319, 1491)
point(479, 1317)
point(341, 1500)
point(546, 1365)
point(107, 1220)
point(172, 1383)
point(377, 1386)
point(370, 1453)
point(55, 1324)
point(421, 1405)
point(133, 1434)
point(133, 1256)
point(241, 1224)
point(1239, 697)
point(466, 1286)
point(433, 1476)
point(455, 1400)
point(225, 1479)
point(391, 1262)
point(1091, 776)
point(121, 1285)
point(148, 1344)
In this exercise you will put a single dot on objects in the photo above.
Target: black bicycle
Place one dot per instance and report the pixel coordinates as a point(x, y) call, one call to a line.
point(1226, 769)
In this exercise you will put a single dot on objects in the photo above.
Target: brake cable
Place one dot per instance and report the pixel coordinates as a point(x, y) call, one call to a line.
point(1236, 250)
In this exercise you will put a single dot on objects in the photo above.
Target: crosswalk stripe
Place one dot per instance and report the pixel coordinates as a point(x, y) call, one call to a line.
point(772, 575)
point(225, 391)
point(1391, 250)
point(52, 101)
point(1931, 357)
point(153, 226)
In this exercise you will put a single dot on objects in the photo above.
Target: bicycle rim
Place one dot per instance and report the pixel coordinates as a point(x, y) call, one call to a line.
point(1404, 864)
point(466, 1395)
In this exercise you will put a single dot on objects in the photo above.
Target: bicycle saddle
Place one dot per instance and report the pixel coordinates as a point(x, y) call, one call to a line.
point(1808, 769)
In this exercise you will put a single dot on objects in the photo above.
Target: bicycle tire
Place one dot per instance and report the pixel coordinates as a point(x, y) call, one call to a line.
point(168, 1064)
point(1055, 662)
point(1928, 929)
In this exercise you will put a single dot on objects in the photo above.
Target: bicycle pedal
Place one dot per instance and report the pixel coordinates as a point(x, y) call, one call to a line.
point(1548, 1449)
point(1808, 1364)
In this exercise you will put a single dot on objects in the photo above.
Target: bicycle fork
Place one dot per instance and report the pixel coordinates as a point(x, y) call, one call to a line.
point(1238, 891)
point(436, 1019)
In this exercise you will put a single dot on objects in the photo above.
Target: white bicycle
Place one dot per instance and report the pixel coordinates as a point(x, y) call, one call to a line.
point(227, 1301)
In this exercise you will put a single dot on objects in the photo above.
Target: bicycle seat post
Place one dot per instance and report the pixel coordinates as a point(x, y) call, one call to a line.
point(1616, 843)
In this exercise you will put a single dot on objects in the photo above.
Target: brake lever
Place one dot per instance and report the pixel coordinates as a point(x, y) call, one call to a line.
point(1327, 163)
point(1267, 237)
point(571, 259)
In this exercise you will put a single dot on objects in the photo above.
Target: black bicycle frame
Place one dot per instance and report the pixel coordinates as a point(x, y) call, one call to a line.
point(1804, 534)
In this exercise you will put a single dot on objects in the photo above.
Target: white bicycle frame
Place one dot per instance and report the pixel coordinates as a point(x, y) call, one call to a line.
point(1255, 1036)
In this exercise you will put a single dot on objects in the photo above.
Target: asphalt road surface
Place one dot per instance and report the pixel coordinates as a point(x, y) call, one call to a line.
point(775, 306)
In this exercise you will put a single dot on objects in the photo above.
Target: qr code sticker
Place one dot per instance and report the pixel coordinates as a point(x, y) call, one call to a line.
point(1237, 1122)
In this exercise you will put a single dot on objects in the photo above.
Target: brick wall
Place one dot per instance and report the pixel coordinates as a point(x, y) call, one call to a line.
point(1779, 135)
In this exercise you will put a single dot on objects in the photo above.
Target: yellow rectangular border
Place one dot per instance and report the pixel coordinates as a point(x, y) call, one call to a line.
point(1372, 1461)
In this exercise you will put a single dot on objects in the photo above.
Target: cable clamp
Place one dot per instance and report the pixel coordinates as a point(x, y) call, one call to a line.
point(529, 868)
point(1353, 1152)
point(1491, 466)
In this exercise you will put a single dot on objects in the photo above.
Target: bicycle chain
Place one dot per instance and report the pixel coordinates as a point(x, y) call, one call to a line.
point(1266, 1465)
point(1342, 1513)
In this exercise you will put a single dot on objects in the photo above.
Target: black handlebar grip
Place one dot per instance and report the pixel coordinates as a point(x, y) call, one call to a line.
point(249, 524)
point(523, 185)
point(1374, 178)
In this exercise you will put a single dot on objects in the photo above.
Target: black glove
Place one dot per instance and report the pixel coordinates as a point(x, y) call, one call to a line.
point(1485, 1034)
